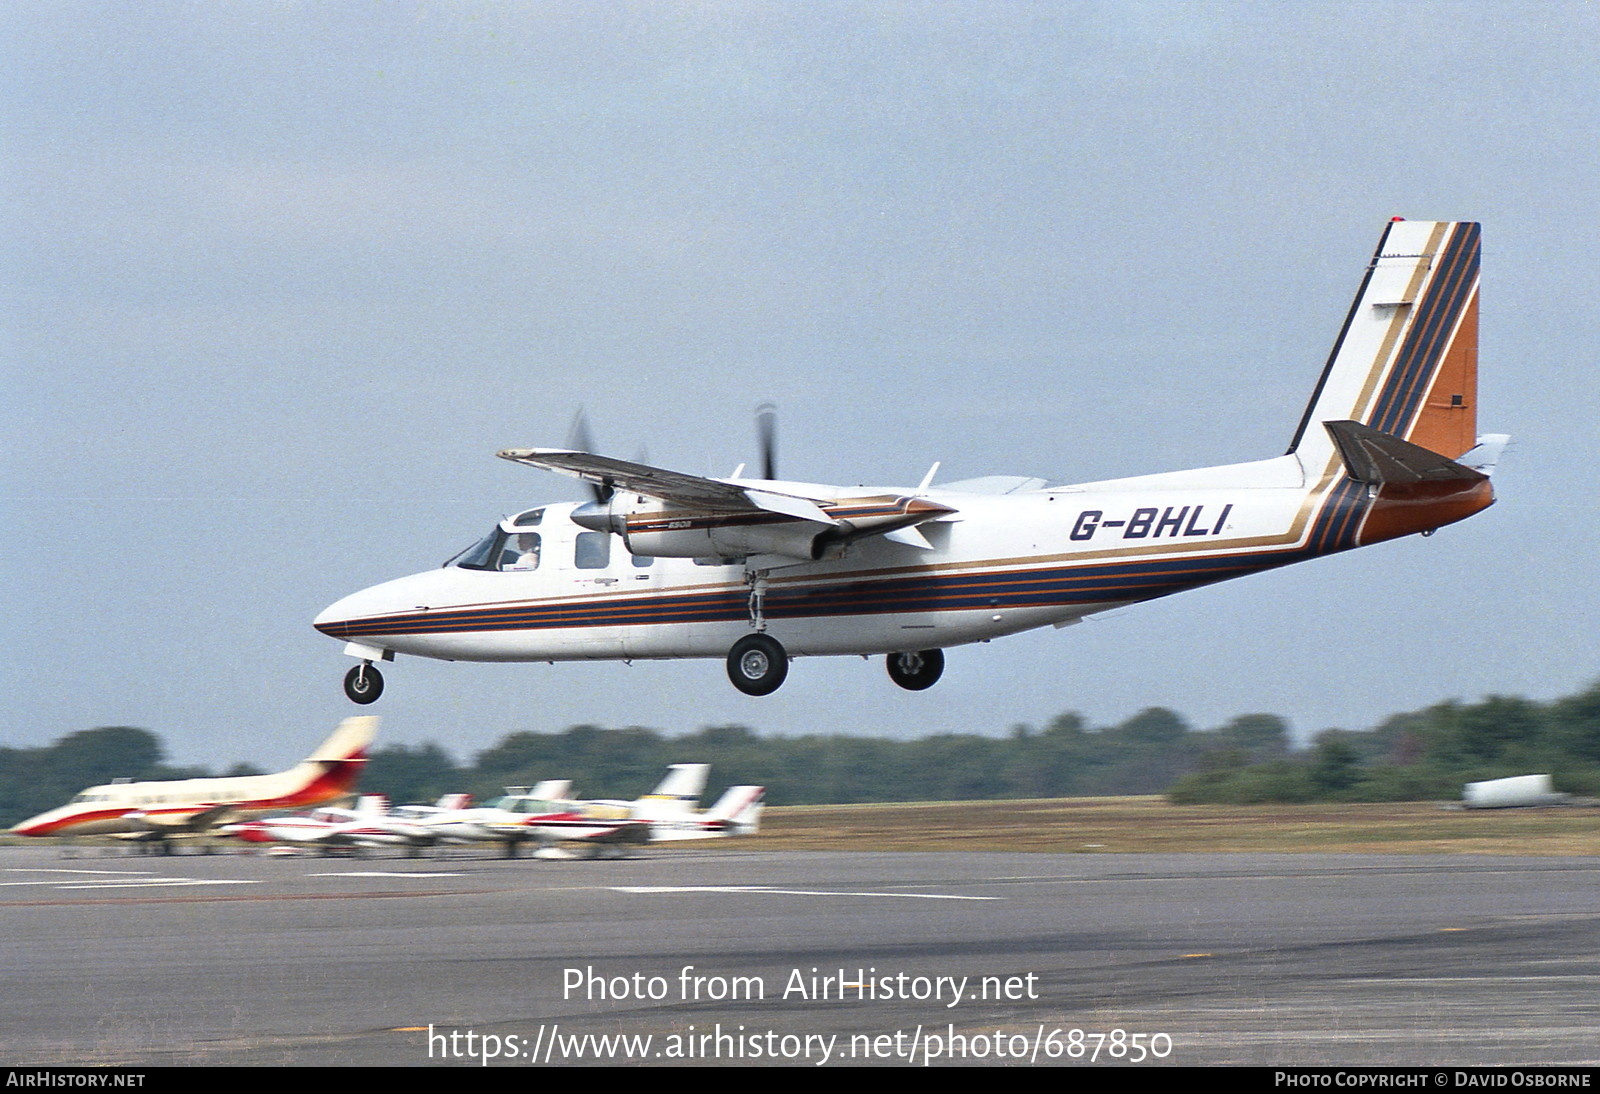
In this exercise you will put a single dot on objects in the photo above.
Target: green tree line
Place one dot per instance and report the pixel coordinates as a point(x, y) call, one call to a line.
point(1423, 754)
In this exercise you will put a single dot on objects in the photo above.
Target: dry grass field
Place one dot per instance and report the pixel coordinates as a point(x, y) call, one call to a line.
point(1152, 824)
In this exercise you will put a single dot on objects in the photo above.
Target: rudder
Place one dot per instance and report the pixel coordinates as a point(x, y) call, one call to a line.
point(1406, 362)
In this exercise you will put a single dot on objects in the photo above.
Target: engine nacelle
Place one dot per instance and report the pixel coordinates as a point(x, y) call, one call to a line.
point(660, 530)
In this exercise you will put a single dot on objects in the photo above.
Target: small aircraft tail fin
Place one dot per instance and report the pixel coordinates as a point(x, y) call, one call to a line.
point(1406, 362)
point(676, 795)
point(372, 805)
point(740, 809)
point(551, 790)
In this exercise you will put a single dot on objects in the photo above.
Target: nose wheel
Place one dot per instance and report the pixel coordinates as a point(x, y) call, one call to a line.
point(916, 671)
point(363, 684)
point(757, 664)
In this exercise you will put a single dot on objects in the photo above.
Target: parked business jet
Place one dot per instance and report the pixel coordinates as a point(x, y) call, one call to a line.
point(157, 809)
point(666, 565)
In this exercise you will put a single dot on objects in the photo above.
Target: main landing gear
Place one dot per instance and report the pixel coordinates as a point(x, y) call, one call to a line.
point(916, 671)
point(363, 684)
point(757, 664)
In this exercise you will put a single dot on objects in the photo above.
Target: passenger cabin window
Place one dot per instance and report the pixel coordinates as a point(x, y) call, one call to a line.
point(592, 550)
point(642, 561)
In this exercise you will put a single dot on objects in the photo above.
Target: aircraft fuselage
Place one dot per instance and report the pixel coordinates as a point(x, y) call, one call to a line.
point(1004, 563)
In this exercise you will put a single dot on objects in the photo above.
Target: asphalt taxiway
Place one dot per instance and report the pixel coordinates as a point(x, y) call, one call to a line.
point(750, 956)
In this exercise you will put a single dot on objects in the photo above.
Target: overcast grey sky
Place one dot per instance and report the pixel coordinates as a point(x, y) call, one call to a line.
point(279, 279)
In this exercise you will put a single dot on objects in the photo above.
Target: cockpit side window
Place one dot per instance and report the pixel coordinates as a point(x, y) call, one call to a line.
point(502, 550)
point(520, 552)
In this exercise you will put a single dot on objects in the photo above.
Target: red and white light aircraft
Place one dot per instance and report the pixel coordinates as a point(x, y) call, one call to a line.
point(652, 819)
point(667, 565)
point(546, 815)
point(370, 824)
point(180, 806)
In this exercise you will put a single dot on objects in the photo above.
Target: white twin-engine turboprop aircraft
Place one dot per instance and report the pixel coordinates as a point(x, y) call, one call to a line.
point(663, 564)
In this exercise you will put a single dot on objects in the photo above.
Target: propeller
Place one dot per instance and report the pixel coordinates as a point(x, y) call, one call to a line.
point(579, 439)
point(767, 434)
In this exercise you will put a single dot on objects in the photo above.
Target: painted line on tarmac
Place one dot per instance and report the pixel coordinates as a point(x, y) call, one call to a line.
point(382, 873)
point(770, 890)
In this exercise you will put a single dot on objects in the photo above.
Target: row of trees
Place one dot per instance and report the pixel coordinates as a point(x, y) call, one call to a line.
point(1421, 755)
point(1142, 755)
point(1418, 755)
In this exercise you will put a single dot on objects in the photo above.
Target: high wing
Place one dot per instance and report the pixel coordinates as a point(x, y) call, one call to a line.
point(671, 514)
point(711, 495)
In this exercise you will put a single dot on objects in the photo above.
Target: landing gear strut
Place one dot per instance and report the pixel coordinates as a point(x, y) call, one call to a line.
point(757, 664)
point(363, 684)
point(916, 671)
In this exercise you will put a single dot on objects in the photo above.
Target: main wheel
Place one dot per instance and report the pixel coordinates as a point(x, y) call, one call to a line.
point(363, 684)
point(757, 664)
point(916, 671)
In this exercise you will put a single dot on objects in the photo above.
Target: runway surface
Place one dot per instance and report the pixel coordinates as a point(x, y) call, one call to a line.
point(738, 956)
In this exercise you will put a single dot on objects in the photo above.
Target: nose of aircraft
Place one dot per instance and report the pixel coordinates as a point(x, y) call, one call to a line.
point(334, 619)
point(41, 825)
point(407, 594)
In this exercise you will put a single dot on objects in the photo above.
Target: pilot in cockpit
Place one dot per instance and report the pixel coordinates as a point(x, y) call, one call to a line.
point(521, 553)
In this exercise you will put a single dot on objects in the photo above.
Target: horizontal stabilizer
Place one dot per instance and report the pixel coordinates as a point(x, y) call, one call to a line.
point(1372, 456)
point(1486, 456)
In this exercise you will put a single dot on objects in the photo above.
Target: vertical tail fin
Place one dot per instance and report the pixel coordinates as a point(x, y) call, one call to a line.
point(551, 790)
point(738, 811)
point(677, 794)
point(1406, 362)
point(334, 769)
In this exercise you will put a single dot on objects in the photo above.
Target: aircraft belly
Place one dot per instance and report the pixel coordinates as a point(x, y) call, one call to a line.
point(522, 644)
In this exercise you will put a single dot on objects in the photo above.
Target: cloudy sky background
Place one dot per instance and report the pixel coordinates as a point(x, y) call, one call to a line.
point(279, 279)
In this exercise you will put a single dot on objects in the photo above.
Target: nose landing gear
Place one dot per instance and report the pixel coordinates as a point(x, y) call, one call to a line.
point(363, 684)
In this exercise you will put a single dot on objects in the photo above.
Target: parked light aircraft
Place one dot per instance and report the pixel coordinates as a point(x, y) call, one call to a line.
point(760, 571)
point(654, 818)
point(156, 809)
point(370, 824)
point(736, 813)
point(546, 815)
point(507, 817)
